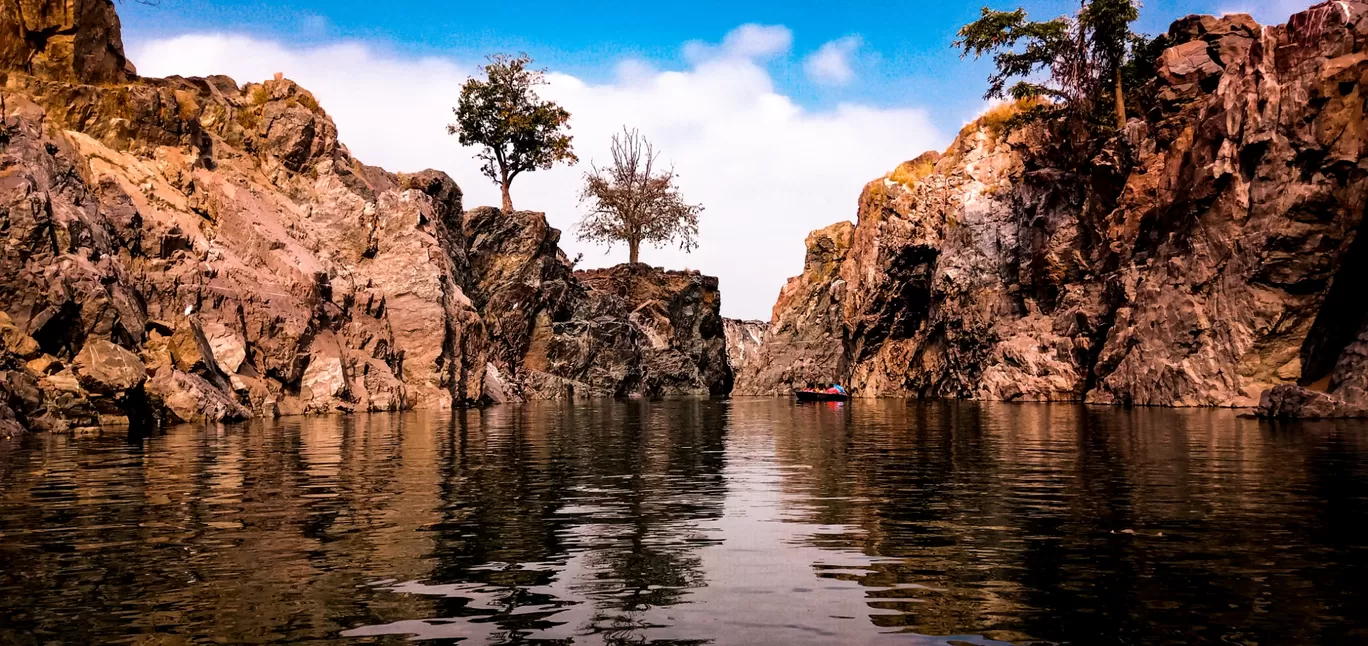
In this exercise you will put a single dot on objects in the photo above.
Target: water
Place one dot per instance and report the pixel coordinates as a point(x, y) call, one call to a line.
point(690, 522)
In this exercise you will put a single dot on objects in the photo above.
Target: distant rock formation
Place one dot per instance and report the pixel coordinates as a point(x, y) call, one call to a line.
point(223, 237)
point(804, 341)
point(1209, 257)
point(743, 342)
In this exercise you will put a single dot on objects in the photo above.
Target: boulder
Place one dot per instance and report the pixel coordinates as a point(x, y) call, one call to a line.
point(105, 368)
point(9, 424)
point(183, 397)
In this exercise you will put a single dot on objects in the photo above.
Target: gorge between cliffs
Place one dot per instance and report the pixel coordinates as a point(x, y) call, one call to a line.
point(196, 250)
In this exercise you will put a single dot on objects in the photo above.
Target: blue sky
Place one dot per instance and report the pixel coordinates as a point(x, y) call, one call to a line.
point(904, 55)
point(774, 114)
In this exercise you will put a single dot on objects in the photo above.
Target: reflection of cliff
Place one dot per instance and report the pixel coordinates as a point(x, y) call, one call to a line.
point(1004, 519)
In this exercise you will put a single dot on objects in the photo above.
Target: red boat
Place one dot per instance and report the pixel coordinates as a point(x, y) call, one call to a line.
point(825, 395)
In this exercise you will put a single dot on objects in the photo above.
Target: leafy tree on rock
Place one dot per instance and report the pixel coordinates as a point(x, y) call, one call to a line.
point(519, 131)
point(631, 201)
point(1083, 56)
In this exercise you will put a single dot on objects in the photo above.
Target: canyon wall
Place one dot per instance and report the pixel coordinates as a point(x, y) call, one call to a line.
point(188, 249)
point(1208, 256)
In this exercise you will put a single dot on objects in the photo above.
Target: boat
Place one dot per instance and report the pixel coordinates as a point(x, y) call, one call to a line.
point(810, 395)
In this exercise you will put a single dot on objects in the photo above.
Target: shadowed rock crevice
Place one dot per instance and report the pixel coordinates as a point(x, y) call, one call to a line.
point(1342, 316)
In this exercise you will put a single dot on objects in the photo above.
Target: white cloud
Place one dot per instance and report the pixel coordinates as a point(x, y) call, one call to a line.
point(831, 63)
point(767, 170)
point(749, 41)
point(1267, 12)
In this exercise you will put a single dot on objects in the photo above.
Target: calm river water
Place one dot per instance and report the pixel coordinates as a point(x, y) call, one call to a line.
point(693, 522)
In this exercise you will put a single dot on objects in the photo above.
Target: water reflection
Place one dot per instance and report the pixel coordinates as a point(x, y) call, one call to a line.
point(687, 521)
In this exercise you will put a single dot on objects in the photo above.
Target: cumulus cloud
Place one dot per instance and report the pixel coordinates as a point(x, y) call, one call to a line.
point(750, 41)
point(767, 170)
point(831, 64)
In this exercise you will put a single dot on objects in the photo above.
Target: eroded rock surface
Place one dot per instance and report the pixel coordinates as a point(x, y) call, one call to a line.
point(804, 342)
point(1205, 258)
point(219, 238)
point(743, 342)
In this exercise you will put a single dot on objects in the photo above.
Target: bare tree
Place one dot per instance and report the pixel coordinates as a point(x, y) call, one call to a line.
point(633, 202)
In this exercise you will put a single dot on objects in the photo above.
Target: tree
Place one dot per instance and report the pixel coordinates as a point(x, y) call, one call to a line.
point(630, 201)
point(1108, 25)
point(519, 131)
point(1083, 56)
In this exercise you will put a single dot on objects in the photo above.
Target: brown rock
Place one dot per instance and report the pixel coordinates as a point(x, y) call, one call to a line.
point(76, 41)
point(9, 424)
point(186, 398)
point(105, 368)
point(1213, 257)
point(805, 340)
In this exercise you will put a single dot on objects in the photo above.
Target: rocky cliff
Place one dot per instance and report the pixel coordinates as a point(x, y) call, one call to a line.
point(191, 249)
point(1208, 256)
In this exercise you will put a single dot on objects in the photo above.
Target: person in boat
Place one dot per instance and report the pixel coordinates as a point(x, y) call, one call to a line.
point(836, 389)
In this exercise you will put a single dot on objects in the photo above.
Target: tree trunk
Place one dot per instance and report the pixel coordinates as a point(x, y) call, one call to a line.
point(1120, 102)
point(507, 199)
point(634, 251)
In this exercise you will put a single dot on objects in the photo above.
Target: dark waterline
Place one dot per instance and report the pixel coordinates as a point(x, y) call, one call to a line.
point(689, 522)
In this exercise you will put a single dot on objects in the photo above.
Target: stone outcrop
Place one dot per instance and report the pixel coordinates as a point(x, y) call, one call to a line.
point(1205, 257)
point(642, 330)
point(804, 340)
point(558, 333)
point(74, 40)
point(220, 238)
point(743, 342)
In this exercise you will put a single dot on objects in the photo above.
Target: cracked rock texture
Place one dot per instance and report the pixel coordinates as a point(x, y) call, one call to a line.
point(192, 250)
point(1210, 256)
point(744, 339)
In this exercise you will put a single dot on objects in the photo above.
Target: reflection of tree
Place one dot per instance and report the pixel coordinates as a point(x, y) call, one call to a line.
point(605, 492)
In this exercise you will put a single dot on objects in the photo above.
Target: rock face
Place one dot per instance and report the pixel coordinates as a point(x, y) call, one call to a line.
point(642, 330)
point(222, 237)
point(804, 341)
point(628, 330)
point(1205, 258)
point(75, 40)
point(743, 342)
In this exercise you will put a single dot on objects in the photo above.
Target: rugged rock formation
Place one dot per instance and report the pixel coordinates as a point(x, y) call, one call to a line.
point(222, 236)
point(804, 341)
point(628, 330)
point(1202, 259)
point(743, 342)
point(74, 40)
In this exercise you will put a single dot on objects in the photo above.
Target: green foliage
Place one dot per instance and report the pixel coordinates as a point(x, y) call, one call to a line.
point(1043, 46)
point(1076, 63)
point(519, 132)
